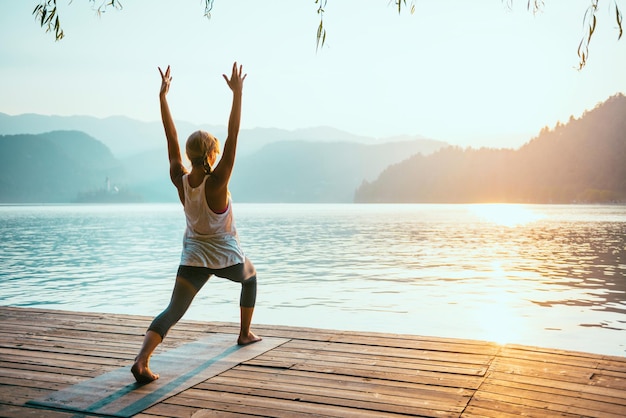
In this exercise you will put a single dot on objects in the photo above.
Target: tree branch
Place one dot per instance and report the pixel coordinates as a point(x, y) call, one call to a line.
point(46, 14)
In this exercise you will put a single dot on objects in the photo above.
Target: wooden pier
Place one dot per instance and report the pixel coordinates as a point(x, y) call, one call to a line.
point(313, 373)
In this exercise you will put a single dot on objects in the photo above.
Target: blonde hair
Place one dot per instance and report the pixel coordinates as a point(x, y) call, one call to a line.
point(200, 145)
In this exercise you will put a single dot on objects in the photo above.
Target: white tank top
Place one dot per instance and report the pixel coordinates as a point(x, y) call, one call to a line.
point(211, 238)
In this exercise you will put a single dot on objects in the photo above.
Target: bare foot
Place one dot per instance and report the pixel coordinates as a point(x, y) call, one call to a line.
point(248, 339)
point(142, 373)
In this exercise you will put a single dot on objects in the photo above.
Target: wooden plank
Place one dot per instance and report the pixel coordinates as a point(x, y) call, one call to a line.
point(559, 387)
point(411, 337)
point(53, 327)
point(557, 372)
point(279, 407)
point(209, 413)
point(57, 368)
point(364, 384)
point(566, 404)
point(69, 339)
point(341, 398)
point(18, 394)
point(391, 353)
point(28, 375)
point(219, 404)
point(294, 381)
point(541, 351)
point(69, 360)
point(447, 346)
point(488, 408)
point(12, 411)
point(601, 380)
point(437, 379)
point(279, 361)
point(125, 350)
point(613, 363)
point(582, 399)
point(552, 357)
point(77, 351)
point(16, 382)
point(313, 356)
point(316, 373)
point(164, 409)
point(397, 352)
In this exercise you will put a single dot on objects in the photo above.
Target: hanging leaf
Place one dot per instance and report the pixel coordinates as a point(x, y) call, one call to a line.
point(208, 6)
point(593, 27)
point(321, 35)
point(321, 30)
point(618, 17)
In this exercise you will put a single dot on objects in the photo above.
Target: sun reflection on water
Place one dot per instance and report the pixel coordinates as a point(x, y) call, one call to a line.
point(510, 215)
point(499, 319)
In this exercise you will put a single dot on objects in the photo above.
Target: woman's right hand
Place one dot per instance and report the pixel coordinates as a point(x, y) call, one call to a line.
point(166, 79)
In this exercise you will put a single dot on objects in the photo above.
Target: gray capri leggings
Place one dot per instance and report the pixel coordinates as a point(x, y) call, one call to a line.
point(183, 293)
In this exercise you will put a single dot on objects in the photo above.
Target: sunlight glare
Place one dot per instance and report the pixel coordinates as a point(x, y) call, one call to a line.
point(500, 323)
point(498, 319)
point(506, 214)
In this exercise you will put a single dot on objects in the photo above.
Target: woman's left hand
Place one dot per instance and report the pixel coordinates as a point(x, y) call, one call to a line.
point(236, 79)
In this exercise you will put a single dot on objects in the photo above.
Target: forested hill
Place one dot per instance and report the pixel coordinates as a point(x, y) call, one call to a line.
point(583, 160)
point(54, 167)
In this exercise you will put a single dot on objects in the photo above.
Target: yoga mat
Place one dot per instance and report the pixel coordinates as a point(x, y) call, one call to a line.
point(116, 393)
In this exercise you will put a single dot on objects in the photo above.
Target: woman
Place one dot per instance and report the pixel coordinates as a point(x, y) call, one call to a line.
point(210, 244)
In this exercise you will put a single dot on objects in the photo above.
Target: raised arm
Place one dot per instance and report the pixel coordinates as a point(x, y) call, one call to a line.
point(177, 169)
point(225, 167)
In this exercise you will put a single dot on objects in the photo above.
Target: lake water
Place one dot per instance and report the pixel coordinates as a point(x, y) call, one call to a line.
point(553, 276)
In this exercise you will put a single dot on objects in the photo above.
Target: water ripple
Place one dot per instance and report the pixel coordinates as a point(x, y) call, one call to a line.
point(540, 275)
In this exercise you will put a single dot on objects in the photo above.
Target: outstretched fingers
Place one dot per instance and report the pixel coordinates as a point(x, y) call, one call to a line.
point(240, 71)
point(167, 73)
point(236, 79)
point(165, 79)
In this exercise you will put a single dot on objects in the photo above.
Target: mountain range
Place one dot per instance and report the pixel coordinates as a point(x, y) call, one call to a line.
point(126, 137)
point(129, 157)
point(54, 159)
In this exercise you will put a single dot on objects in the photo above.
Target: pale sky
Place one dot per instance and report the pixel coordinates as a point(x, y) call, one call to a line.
point(471, 73)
